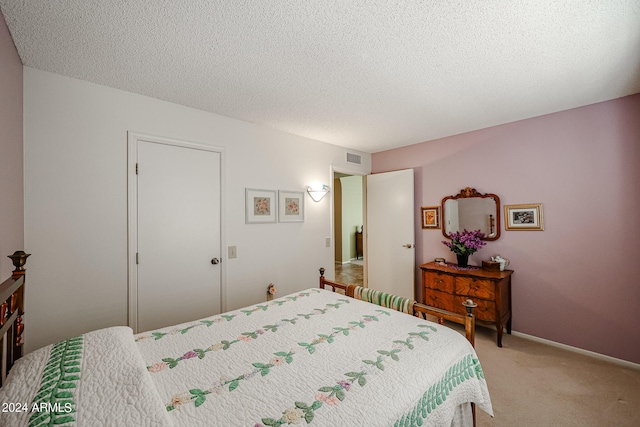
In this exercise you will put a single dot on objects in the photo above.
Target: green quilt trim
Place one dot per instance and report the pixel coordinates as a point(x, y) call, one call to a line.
point(54, 403)
point(467, 368)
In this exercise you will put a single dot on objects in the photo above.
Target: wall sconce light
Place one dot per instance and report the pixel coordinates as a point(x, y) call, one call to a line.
point(317, 191)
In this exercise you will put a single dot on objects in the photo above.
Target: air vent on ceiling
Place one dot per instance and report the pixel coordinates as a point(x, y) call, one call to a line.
point(354, 158)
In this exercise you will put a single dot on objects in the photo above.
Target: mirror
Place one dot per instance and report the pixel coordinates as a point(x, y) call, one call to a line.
point(472, 211)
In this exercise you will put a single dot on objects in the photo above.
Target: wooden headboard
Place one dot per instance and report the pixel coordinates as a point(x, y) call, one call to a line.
point(11, 312)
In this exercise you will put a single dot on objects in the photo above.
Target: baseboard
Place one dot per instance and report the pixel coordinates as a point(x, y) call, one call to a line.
point(615, 360)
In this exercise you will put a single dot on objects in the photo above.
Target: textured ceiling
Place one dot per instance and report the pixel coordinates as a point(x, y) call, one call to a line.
point(364, 74)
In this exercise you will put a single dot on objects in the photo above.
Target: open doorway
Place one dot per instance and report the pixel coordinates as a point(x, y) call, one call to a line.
point(348, 196)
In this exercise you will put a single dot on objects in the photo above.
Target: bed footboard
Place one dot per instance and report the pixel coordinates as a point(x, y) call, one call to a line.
point(418, 309)
point(346, 289)
point(468, 320)
point(422, 310)
point(11, 312)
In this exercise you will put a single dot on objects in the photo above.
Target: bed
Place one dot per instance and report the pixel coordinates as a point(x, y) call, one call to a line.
point(335, 355)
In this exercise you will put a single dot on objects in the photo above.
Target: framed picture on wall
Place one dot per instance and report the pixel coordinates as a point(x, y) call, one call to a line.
point(430, 217)
point(523, 217)
point(291, 206)
point(261, 206)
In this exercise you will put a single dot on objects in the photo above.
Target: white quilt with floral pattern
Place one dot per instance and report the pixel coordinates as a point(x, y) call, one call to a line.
point(314, 358)
point(97, 379)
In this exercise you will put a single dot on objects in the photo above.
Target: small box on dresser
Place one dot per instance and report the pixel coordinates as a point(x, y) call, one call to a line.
point(447, 287)
point(490, 265)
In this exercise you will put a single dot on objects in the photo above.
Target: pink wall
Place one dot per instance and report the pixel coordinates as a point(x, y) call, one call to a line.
point(11, 183)
point(578, 281)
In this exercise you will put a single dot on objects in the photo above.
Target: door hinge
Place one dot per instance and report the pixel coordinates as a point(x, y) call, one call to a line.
point(136, 169)
point(137, 258)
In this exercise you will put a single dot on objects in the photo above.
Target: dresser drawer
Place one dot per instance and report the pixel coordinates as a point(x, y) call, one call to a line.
point(479, 288)
point(486, 310)
point(438, 281)
point(439, 299)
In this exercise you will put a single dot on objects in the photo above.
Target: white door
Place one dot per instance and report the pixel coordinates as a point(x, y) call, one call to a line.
point(178, 234)
point(390, 232)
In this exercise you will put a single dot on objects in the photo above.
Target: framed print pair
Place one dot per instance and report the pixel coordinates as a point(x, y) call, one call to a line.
point(262, 206)
point(291, 206)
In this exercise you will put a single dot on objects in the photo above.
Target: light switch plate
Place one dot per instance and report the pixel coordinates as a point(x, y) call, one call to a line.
point(232, 252)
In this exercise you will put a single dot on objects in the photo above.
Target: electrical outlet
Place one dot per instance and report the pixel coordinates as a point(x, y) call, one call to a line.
point(232, 252)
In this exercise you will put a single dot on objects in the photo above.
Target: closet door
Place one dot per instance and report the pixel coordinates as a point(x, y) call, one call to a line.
point(178, 270)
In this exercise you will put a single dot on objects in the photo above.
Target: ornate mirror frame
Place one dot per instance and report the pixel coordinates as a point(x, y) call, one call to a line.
point(467, 193)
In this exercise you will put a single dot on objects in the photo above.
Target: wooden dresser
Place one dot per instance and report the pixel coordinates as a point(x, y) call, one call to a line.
point(446, 288)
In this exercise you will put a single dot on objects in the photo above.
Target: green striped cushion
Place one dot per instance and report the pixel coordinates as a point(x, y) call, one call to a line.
point(383, 299)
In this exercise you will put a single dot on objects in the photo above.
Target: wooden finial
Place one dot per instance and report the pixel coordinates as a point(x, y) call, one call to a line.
point(19, 259)
point(469, 305)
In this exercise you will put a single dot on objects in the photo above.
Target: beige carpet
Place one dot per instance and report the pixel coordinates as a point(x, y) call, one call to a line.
point(535, 384)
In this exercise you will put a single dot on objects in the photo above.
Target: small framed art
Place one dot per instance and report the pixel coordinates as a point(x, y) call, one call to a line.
point(430, 216)
point(524, 217)
point(261, 206)
point(291, 204)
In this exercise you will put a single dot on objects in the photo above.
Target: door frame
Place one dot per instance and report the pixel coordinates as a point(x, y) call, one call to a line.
point(353, 172)
point(132, 216)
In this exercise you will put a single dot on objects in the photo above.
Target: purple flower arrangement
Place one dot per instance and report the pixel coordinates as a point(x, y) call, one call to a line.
point(465, 242)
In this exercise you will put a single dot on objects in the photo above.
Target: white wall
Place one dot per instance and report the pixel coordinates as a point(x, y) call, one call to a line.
point(11, 188)
point(75, 142)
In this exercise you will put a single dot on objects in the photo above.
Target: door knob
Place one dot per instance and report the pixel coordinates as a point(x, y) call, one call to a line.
point(215, 261)
point(408, 245)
